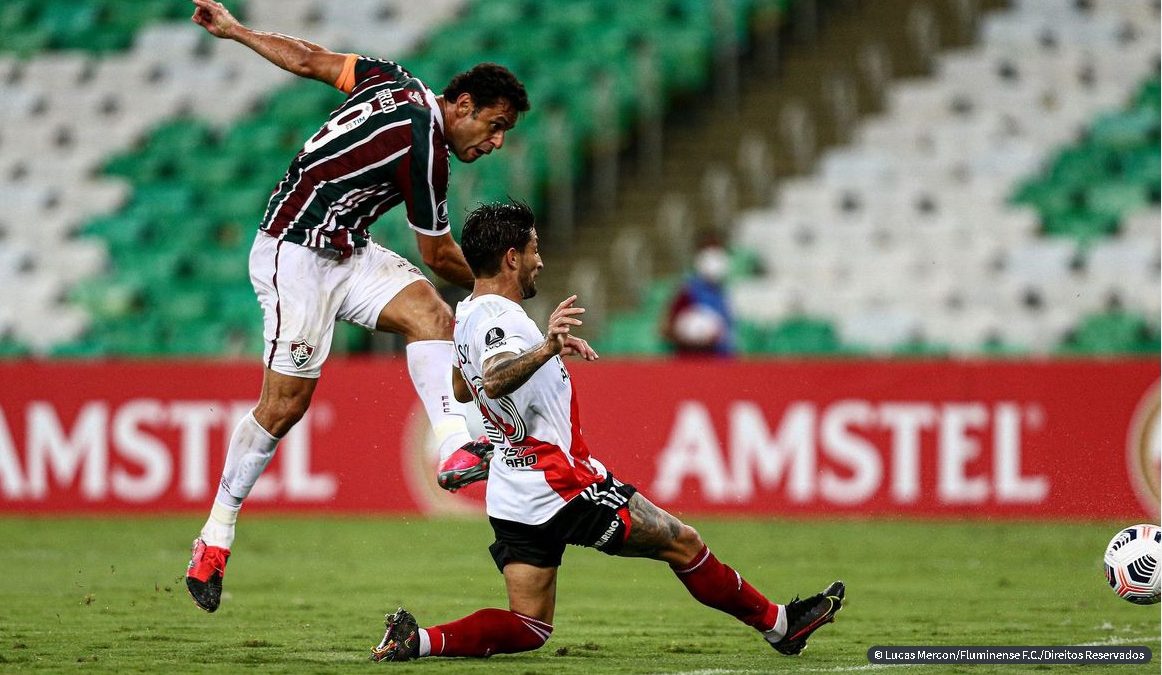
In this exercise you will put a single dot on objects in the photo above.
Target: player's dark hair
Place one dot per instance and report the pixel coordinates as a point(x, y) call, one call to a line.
point(492, 229)
point(488, 83)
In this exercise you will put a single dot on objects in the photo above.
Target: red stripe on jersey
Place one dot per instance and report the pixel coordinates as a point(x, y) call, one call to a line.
point(565, 478)
point(577, 447)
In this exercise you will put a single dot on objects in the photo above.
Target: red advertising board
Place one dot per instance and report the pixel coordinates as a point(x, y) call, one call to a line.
point(1052, 439)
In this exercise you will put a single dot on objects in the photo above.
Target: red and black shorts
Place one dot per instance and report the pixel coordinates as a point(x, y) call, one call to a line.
point(597, 518)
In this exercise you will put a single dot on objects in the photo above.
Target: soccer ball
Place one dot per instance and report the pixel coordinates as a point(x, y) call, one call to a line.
point(1131, 562)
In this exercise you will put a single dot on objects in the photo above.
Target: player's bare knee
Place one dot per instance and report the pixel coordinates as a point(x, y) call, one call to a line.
point(688, 540)
point(417, 313)
point(437, 323)
point(278, 415)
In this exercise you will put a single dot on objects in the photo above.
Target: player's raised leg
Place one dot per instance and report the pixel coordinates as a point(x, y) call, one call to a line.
point(425, 321)
point(654, 533)
point(525, 626)
point(283, 402)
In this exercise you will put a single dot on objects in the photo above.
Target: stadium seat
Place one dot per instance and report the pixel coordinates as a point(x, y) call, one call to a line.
point(1112, 333)
point(981, 128)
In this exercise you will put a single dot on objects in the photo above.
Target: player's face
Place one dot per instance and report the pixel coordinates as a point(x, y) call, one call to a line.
point(475, 131)
point(530, 267)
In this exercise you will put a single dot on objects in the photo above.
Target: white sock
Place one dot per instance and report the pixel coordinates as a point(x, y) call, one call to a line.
point(775, 634)
point(425, 643)
point(251, 449)
point(430, 366)
point(219, 528)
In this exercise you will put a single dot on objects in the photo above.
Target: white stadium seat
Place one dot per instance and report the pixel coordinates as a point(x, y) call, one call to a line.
point(936, 173)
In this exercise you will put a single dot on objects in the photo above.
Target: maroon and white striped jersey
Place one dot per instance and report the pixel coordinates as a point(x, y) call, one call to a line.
point(384, 145)
point(541, 461)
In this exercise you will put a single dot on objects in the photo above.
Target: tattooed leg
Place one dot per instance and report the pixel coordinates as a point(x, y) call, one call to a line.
point(657, 534)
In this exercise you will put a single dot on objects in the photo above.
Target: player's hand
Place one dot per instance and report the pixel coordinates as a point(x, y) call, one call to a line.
point(215, 18)
point(561, 321)
point(575, 346)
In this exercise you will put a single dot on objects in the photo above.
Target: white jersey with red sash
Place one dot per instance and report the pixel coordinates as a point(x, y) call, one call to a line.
point(541, 460)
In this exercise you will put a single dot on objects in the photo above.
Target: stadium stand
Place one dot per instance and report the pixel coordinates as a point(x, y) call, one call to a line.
point(1037, 193)
point(177, 243)
point(937, 232)
point(145, 170)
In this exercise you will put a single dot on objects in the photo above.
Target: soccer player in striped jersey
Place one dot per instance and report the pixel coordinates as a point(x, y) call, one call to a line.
point(545, 489)
point(313, 261)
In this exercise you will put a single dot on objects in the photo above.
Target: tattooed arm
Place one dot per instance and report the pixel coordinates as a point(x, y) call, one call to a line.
point(505, 373)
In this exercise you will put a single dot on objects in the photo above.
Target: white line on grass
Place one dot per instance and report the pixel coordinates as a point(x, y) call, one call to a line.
point(1111, 641)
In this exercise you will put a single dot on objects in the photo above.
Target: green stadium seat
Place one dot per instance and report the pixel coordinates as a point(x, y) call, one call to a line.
point(10, 349)
point(803, 335)
point(1079, 165)
point(1113, 333)
point(1113, 198)
point(1081, 225)
point(181, 138)
point(25, 43)
point(244, 204)
point(1125, 130)
point(180, 302)
point(137, 335)
point(157, 267)
point(213, 169)
point(196, 336)
point(108, 298)
point(304, 103)
point(921, 349)
point(68, 21)
point(750, 338)
point(142, 167)
point(1143, 166)
point(163, 201)
point(221, 266)
point(236, 304)
point(17, 16)
point(120, 231)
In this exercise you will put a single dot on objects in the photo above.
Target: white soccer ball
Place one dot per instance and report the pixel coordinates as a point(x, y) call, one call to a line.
point(1131, 563)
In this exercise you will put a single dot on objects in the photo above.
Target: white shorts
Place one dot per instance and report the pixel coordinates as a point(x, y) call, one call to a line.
point(304, 290)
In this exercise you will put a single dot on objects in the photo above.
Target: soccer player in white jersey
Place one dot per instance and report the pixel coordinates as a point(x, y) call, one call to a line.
point(545, 489)
point(313, 261)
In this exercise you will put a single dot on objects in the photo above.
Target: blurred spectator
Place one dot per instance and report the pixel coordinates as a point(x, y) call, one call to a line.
point(699, 320)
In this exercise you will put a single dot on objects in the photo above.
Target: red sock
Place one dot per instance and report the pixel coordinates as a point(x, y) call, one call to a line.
point(487, 632)
point(718, 586)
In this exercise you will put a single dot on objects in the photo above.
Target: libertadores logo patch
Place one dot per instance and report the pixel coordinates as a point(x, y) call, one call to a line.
point(1144, 451)
point(301, 352)
point(493, 337)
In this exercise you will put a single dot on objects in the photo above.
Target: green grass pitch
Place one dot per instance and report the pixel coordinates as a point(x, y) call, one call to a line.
point(308, 595)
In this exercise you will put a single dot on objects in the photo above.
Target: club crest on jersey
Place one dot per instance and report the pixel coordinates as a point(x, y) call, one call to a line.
point(442, 212)
point(493, 337)
point(300, 353)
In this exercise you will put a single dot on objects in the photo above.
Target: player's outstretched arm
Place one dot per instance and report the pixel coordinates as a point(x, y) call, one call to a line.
point(443, 255)
point(292, 54)
point(504, 374)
